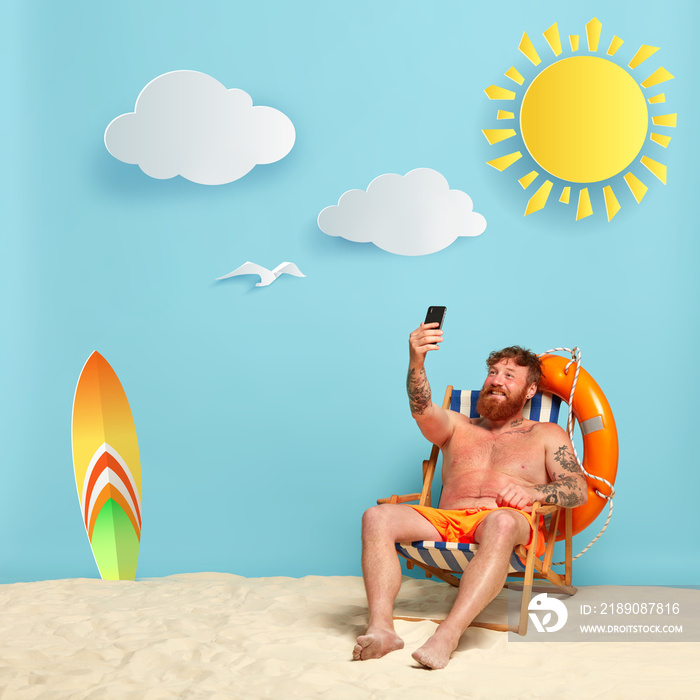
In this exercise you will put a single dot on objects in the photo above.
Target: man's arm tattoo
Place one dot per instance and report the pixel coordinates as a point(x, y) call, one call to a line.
point(567, 460)
point(418, 390)
point(566, 490)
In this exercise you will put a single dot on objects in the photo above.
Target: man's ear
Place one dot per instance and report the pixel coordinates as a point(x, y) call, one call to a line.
point(531, 391)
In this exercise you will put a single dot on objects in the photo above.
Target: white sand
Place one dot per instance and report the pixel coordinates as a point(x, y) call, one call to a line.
point(223, 636)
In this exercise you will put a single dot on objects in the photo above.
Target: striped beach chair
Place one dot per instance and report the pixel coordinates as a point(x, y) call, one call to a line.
point(447, 560)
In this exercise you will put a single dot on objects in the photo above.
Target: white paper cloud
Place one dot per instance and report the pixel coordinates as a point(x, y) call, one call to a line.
point(412, 214)
point(187, 123)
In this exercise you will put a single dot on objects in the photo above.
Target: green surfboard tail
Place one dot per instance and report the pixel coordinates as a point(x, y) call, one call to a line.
point(115, 544)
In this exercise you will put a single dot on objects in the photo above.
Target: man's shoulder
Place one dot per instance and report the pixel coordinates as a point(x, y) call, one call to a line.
point(461, 421)
point(549, 431)
point(477, 422)
point(466, 427)
point(541, 430)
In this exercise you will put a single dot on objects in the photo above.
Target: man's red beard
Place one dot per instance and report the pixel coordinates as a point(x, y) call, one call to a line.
point(500, 409)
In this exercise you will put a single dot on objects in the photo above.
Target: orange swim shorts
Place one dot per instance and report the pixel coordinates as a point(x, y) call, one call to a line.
point(460, 525)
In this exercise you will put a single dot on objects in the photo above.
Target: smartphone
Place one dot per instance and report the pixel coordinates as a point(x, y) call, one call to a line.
point(436, 314)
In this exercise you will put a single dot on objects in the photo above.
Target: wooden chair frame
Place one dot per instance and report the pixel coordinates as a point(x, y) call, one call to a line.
point(539, 568)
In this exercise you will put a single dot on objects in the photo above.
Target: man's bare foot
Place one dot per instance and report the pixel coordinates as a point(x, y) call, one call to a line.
point(436, 652)
point(376, 643)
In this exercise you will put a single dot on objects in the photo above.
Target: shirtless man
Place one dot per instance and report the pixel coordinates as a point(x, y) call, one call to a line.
point(499, 461)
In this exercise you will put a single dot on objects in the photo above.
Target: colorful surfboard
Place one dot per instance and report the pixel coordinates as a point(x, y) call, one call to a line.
point(107, 469)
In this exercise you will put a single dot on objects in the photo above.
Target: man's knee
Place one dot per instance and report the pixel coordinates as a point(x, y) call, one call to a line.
point(375, 519)
point(503, 526)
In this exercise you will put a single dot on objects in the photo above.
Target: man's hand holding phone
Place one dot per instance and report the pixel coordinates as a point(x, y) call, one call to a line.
point(428, 336)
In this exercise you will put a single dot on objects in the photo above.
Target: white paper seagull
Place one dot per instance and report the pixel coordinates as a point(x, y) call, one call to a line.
point(266, 276)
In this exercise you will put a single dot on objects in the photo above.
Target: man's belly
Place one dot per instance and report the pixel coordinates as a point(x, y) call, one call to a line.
point(452, 503)
point(476, 489)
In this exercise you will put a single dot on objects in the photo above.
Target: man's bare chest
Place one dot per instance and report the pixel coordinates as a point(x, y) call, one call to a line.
point(517, 452)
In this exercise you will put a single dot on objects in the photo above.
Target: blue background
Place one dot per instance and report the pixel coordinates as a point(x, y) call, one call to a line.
point(269, 419)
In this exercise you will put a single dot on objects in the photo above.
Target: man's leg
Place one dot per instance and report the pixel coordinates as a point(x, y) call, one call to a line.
point(497, 535)
point(382, 527)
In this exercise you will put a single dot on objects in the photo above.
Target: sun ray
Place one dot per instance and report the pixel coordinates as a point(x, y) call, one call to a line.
point(584, 205)
point(496, 135)
point(612, 206)
point(504, 161)
point(513, 74)
point(664, 120)
point(593, 34)
point(505, 115)
point(539, 199)
point(565, 195)
point(528, 50)
point(654, 167)
point(642, 54)
point(553, 38)
point(660, 75)
point(526, 180)
point(637, 187)
point(661, 139)
point(657, 99)
point(573, 40)
point(493, 92)
point(615, 44)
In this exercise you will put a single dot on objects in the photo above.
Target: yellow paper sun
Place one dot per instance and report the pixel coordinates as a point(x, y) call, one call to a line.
point(583, 119)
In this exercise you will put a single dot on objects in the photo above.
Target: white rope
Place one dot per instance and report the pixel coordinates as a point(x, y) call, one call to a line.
point(576, 359)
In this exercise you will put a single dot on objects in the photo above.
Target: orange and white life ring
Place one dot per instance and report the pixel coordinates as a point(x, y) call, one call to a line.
point(595, 419)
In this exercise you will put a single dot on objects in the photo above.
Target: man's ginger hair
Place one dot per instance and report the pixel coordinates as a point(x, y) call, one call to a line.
point(522, 357)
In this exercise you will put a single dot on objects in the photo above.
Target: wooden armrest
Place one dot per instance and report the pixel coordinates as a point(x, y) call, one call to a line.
point(399, 499)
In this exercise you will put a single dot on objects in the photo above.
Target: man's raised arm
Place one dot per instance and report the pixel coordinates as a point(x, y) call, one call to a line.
point(433, 421)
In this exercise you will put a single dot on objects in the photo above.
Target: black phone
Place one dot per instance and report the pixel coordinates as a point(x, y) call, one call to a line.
point(436, 314)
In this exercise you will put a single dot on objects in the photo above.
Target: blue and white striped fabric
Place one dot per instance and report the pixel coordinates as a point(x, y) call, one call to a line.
point(448, 556)
point(541, 407)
